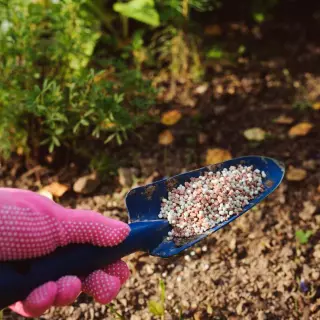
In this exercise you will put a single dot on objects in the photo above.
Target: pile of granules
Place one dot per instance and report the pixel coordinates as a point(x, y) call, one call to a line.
point(206, 201)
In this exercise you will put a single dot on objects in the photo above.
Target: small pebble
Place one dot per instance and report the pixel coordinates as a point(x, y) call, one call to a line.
point(206, 267)
point(187, 258)
point(315, 275)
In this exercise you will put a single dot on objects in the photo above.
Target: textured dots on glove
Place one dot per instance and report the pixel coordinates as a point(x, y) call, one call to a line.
point(118, 269)
point(69, 287)
point(79, 226)
point(41, 299)
point(101, 286)
point(26, 234)
point(93, 232)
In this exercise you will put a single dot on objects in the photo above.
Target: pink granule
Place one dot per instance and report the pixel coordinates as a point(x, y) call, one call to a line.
point(206, 201)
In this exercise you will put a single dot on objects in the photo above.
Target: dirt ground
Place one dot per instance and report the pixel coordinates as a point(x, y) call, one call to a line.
point(255, 268)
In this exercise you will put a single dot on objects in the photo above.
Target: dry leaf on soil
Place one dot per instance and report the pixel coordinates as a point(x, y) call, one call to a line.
point(46, 194)
point(201, 89)
point(202, 138)
point(170, 118)
point(283, 120)
point(296, 174)
point(56, 189)
point(87, 184)
point(255, 134)
point(213, 30)
point(219, 89)
point(20, 151)
point(165, 137)
point(316, 106)
point(217, 155)
point(300, 129)
point(308, 210)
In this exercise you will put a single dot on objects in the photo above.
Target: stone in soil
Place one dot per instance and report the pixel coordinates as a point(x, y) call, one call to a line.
point(87, 184)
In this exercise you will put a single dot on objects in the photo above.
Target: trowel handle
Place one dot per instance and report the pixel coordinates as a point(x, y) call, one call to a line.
point(19, 278)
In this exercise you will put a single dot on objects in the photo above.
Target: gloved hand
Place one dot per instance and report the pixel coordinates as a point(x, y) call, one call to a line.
point(32, 225)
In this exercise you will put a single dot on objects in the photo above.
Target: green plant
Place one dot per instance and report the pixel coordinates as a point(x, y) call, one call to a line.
point(157, 308)
point(174, 46)
point(140, 10)
point(177, 52)
point(302, 99)
point(48, 94)
point(241, 50)
point(215, 52)
point(302, 105)
point(116, 314)
point(303, 236)
point(103, 165)
point(175, 11)
point(261, 9)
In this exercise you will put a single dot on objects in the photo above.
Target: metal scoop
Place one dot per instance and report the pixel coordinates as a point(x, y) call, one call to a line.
point(148, 233)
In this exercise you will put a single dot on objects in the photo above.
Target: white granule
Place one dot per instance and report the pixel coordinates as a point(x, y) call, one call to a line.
point(206, 201)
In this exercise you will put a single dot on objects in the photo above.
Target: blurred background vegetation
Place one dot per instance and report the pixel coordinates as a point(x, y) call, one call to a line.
point(77, 74)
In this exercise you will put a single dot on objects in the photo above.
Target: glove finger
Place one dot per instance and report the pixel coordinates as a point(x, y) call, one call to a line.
point(102, 286)
point(38, 301)
point(18, 308)
point(118, 269)
point(69, 287)
point(32, 225)
point(84, 226)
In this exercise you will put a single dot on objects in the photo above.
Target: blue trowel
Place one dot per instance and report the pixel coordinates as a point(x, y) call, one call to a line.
point(148, 233)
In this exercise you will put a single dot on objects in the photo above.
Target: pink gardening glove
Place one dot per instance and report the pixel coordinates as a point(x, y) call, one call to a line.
point(32, 225)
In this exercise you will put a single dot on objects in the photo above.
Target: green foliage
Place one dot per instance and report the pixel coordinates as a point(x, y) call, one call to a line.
point(103, 164)
point(302, 104)
point(162, 286)
point(44, 38)
point(241, 50)
point(48, 94)
point(177, 52)
point(52, 91)
point(116, 314)
point(181, 315)
point(303, 236)
point(157, 308)
point(176, 11)
point(140, 10)
point(215, 53)
point(205, 5)
point(261, 9)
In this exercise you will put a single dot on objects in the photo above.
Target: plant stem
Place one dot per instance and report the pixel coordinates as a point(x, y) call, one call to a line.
point(46, 3)
point(113, 311)
point(105, 17)
point(185, 8)
point(125, 26)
